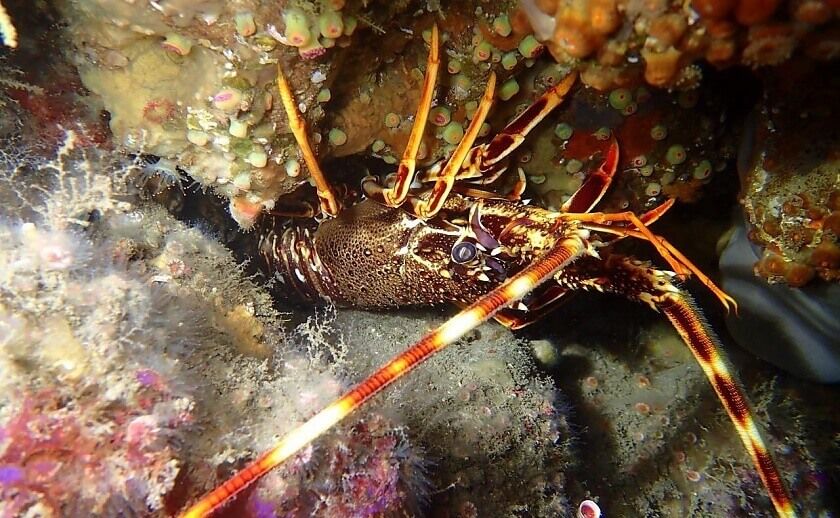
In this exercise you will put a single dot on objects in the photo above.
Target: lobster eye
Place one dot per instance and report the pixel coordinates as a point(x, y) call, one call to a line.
point(463, 252)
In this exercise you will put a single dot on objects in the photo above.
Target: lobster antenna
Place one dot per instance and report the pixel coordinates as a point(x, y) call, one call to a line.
point(705, 346)
point(655, 288)
point(515, 288)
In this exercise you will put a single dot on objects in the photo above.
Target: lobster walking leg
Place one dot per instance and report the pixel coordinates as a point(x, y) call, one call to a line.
point(563, 253)
point(551, 296)
point(677, 260)
point(329, 200)
point(639, 282)
point(596, 183)
point(638, 226)
point(485, 163)
point(515, 193)
point(507, 140)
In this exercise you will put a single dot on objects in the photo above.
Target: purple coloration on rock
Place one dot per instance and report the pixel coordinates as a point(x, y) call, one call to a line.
point(261, 509)
point(10, 474)
point(147, 377)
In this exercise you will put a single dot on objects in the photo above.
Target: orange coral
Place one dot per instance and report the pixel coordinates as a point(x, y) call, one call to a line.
point(668, 28)
point(669, 38)
point(751, 12)
point(581, 26)
point(721, 51)
point(713, 8)
point(769, 44)
point(661, 67)
point(816, 12)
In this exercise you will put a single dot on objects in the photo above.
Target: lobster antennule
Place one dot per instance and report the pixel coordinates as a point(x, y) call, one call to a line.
point(395, 196)
point(426, 209)
point(563, 253)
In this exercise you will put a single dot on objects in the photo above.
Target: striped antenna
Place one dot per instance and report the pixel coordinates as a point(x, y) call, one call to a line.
point(511, 291)
point(683, 314)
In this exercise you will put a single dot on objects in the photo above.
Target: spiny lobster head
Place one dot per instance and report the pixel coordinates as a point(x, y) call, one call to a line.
point(375, 256)
point(512, 230)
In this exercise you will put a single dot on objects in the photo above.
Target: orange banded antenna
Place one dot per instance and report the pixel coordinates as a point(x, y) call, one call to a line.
point(653, 287)
point(695, 332)
point(508, 293)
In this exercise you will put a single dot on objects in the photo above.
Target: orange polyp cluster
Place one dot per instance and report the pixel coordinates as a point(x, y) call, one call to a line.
point(606, 35)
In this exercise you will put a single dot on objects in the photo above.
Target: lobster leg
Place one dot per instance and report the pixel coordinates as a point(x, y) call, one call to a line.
point(518, 189)
point(638, 282)
point(677, 260)
point(601, 220)
point(427, 208)
point(657, 212)
point(558, 257)
point(583, 200)
point(469, 171)
point(552, 296)
point(326, 194)
point(545, 302)
point(506, 141)
point(515, 193)
point(396, 195)
point(596, 184)
point(483, 164)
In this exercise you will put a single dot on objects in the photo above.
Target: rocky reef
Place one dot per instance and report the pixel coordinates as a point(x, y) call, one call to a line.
point(122, 328)
point(194, 83)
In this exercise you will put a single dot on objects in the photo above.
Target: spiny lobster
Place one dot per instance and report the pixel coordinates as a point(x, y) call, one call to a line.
point(456, 243)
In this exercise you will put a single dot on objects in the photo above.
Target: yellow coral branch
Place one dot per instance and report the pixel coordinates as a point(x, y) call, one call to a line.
point(7, 29)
